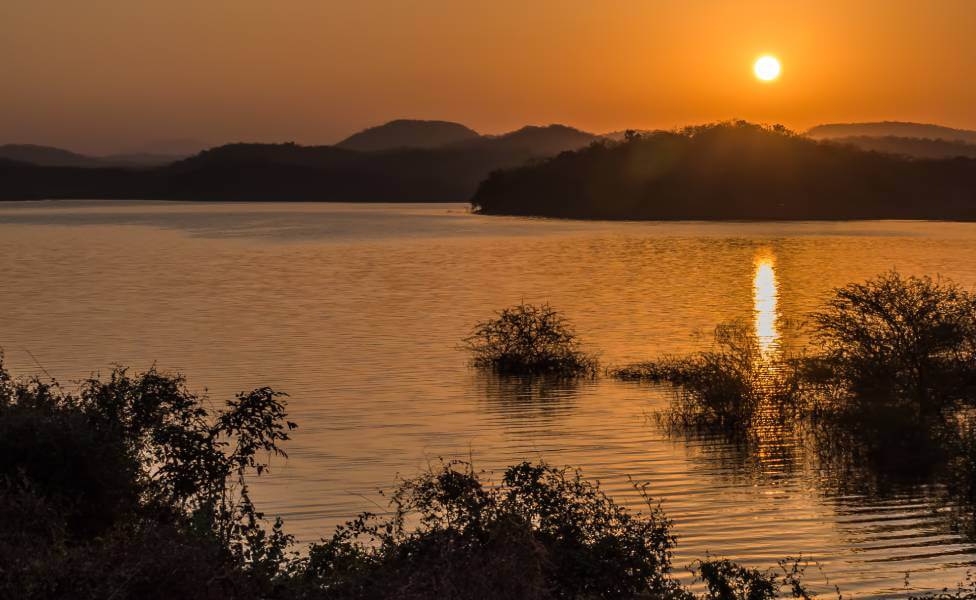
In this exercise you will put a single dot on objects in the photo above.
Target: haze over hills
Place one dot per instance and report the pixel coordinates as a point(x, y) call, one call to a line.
point(923, 148)
point(47, 156)
point(890, 129)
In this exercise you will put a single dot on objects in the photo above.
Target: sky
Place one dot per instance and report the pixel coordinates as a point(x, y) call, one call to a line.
point(103, 76)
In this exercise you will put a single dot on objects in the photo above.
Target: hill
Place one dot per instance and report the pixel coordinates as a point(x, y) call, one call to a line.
point(331, 173)
point(890, 129)
point(539, 141)
point(139, 159)
point(408, 133)
point(46, 156)
point(913, 147)
point(272, 172)
point(732, 171)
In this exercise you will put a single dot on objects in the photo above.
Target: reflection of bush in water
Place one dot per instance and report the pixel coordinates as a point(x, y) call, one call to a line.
point(537, 395)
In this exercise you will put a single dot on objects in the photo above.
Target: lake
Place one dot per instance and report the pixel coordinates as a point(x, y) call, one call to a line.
point(357, 311)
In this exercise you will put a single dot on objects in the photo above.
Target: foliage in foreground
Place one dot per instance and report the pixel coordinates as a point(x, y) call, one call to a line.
point(133, 488)
point(529, 340)
point(541, 533)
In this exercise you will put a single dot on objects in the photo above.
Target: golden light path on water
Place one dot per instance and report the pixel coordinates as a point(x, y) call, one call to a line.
point(764, 302)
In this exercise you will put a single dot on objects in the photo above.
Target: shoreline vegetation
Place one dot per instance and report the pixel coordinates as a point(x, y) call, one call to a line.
point(132, 486)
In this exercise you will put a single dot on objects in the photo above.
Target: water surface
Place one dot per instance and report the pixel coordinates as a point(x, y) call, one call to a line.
point(357, 312)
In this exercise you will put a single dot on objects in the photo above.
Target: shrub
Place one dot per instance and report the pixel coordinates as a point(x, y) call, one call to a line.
point(543, 533)
point(725, 387)
point(895, 338)
point(529, 340)
point(726, 580)
point(131, 487)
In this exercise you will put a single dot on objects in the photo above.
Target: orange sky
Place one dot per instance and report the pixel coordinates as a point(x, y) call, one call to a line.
point(108, 75)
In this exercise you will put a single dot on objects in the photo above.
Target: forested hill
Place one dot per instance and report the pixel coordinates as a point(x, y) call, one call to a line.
point(734, 170)
point(273, 172)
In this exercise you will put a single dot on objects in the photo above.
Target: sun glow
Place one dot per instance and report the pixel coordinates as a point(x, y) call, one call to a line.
point(766, 68)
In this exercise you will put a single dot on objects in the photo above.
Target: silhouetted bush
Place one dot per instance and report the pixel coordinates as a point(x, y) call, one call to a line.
point(723, 387)
point(529, 340)
point(132, 488)
point(544, 533)
point(895, 339)
point(726, 580)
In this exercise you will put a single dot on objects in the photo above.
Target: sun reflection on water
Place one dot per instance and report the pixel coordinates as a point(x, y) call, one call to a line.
point(764, 303)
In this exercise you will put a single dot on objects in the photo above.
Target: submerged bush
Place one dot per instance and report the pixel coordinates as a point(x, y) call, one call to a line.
point(529, 340)
point(725, 387)
point(899, 339)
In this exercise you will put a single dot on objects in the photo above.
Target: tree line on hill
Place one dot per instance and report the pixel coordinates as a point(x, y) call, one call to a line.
point(405, 162)
point(733, 170)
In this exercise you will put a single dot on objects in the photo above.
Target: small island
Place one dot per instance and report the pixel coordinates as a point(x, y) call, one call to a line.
point(732, 171)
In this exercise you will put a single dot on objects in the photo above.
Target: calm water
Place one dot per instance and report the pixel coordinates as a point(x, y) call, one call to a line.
point(357, 311)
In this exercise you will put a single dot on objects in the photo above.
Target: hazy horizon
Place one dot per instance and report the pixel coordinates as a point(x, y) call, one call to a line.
point(110, 76)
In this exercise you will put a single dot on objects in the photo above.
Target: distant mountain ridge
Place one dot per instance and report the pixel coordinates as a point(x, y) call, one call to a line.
point(49, 156)
point(403, 134)
point(46, 156)
point(408, 133)
point(250, 171)
point(924, 148)
point(891, 129)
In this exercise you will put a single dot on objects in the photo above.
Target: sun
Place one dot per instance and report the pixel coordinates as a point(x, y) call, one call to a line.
point(766, 67)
